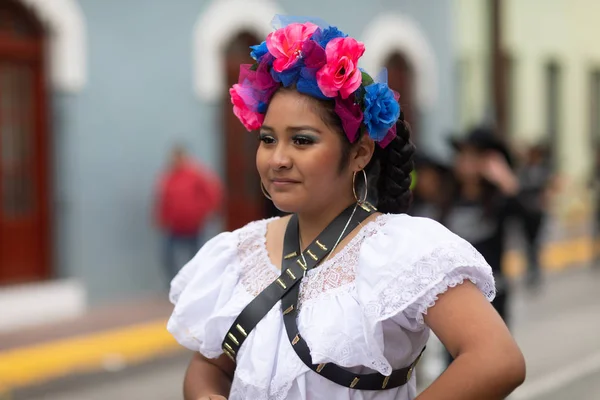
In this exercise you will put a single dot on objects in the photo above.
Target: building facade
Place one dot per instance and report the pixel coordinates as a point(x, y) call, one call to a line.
point(551, 70)
point(93, 94)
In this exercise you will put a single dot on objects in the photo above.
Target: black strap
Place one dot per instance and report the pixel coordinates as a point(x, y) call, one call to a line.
point(339, 375)
point(293, 269)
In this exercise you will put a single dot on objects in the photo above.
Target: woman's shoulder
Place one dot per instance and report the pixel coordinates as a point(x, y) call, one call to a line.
point(408, 262)
point(398, 244)
point(414, 230)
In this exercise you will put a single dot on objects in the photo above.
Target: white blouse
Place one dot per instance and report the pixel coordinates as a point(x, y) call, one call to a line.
point(362, 309)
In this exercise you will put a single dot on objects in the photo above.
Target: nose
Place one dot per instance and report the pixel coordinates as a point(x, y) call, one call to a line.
point(280, 157)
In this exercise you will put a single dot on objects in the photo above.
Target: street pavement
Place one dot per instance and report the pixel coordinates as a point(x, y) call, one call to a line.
point(557, 327)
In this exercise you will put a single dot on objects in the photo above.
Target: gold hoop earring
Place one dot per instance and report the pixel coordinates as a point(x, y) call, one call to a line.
point(264, 191)
point(364, 200)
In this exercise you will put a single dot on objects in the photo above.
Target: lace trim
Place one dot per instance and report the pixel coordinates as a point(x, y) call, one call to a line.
point(422, 282)
point(419, 310)
point(243, 391)
point(336, 273)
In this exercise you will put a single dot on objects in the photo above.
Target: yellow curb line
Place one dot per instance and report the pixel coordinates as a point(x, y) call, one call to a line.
point(554, 257)
point(39, 363)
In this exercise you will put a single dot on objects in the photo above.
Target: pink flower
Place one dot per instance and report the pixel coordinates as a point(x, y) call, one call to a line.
point(341, 73)
point(285, 44)
point(242, 100)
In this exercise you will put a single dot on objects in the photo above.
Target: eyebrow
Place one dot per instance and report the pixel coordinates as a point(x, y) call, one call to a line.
point(293, 129)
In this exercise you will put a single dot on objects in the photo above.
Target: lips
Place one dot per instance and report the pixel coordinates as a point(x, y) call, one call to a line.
point(283, 182)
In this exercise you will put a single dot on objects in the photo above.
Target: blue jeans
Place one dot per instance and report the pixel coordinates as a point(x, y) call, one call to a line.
point(179, 249)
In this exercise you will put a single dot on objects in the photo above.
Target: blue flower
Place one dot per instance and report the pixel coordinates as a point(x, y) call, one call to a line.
point(259, 50)
point(290, 75)
point(381, 110)
point(307, 84)
point(322, 37)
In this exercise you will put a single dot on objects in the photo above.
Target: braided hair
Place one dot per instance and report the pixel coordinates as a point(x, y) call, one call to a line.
point(390, 170)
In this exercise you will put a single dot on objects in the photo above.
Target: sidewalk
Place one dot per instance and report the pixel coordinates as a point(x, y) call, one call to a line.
point(108, 338)
point(112, 338)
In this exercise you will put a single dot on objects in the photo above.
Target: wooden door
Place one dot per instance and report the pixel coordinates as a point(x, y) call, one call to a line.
point(245, 201)
point(24, 233)
point(401, 78)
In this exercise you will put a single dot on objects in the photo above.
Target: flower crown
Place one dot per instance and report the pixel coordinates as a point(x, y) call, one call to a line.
point(321, 61)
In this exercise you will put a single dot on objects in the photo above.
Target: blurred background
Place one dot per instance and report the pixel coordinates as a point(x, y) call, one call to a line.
point(107, 106)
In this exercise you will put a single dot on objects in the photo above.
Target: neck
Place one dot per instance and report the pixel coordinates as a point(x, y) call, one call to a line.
point(311, 224)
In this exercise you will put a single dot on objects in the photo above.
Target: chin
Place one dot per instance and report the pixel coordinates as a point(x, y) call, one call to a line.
point(286, 204)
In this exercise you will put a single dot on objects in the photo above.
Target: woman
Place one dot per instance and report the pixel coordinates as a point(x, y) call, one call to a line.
point(354, 326)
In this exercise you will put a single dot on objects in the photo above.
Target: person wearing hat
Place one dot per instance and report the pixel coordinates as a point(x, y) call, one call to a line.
point(482, 200)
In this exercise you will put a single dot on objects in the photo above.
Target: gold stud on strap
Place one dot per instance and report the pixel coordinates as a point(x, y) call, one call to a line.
point(291, 255)
point(409, 374)
point(281, 283)
point(321, 245)
point(288, 310)
point(354, 382)
point(296, 340)
point(301, 264)
point(385, 382)
point(233, 339)
point(320, 367)
point(291, 274)
point(365, 207)
point(242, 331)
point(229, 355)
point(228, 347)
point(311, 254)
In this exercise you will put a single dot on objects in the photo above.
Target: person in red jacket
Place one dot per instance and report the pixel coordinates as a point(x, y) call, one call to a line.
point(187, 194)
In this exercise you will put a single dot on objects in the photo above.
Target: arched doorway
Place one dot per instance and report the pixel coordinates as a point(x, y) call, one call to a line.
point(24, 219)
point(401, 78)
point(245, 201)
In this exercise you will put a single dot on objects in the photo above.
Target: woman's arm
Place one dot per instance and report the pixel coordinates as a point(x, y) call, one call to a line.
point(207, 377)
point(487, 362)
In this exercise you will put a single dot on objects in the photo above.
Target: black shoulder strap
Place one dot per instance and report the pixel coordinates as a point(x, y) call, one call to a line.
point(339, 375)
point(293, 269)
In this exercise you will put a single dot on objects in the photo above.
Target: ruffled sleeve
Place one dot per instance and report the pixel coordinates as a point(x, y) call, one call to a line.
point(405, 266)
point(202, 292)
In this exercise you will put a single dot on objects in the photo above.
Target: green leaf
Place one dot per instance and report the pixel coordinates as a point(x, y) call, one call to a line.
point(254, 67)
point(366, 79)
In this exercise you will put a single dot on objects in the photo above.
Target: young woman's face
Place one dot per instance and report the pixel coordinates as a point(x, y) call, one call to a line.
point(299, 156)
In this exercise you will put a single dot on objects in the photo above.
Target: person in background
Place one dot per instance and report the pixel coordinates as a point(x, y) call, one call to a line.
point(187, 194)
point(483, 198)
point(535, 178)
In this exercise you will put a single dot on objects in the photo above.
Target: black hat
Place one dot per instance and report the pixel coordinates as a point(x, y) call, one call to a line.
point(483, 138)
